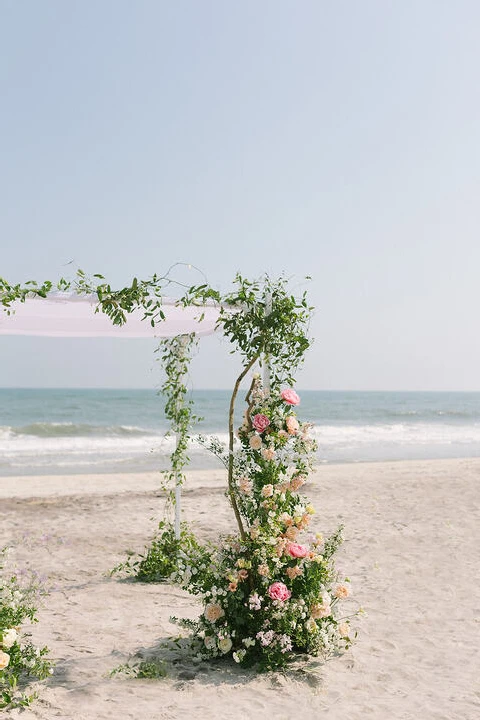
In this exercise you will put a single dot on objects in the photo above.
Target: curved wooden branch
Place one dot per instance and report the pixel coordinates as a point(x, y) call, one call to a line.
point(231, 488)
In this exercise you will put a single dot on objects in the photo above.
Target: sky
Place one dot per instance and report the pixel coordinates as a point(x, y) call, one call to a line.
point(336, 140)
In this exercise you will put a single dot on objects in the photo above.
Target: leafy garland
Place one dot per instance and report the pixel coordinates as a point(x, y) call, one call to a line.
point(176, 353)
point(117, 305)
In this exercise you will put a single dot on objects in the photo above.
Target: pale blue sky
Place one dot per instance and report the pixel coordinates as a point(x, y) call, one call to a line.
point(335, 139)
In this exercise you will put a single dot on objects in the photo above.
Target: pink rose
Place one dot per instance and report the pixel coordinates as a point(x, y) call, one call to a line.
point(290, 396)
point(279, 591)
point(260, 422)
point(297, 551)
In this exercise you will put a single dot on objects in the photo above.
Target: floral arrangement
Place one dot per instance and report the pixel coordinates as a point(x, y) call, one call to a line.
point(19, 658)
point(271, 591)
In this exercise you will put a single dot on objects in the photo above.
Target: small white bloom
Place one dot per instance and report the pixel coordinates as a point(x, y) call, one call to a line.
point(8, 638)
point(239, 655)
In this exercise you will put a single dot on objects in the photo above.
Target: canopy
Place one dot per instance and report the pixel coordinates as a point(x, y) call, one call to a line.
point(72, 315)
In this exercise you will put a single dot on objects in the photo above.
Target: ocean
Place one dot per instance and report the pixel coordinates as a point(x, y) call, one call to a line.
point(58, 431)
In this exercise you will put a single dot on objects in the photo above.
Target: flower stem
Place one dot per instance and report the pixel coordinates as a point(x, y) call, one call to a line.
point(231, 488)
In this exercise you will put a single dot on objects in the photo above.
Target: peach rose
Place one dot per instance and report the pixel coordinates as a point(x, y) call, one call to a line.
point(291, 533)
point(263, 570)
point(292, 425)
point(303, 521)
point(342, 591)
point(286, 519)
point(294, 572)
point(296, 482)
point(267, 491)
point(255, 442)
point(320, 610)
point(4, 660)
point(245, 485)
point(213, 612)
point(268, 454)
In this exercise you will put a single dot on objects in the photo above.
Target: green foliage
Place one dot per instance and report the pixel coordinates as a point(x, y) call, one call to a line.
point(176, 353)
point(161, 556)
point(262, 319)
point(20, 660)
point(153, 669)
point(13, 293)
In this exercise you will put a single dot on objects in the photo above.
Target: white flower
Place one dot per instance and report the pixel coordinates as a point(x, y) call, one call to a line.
point(239, 655)
point(210, 642)
point(8, 638)
point(225, 645)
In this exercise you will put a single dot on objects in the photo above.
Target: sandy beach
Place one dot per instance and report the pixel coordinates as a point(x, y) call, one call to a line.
point(412, 552)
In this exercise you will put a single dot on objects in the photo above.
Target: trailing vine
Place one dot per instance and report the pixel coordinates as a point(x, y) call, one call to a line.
point(144, 295)
point(176, 353)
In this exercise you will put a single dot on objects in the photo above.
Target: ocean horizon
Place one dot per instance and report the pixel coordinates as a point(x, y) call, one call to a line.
point(91, 430)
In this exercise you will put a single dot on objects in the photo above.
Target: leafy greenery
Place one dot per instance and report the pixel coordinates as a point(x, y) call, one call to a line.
point(262, 320)
point(161, 556)
point(176, 353)
point(20, 660)
point(153, 669)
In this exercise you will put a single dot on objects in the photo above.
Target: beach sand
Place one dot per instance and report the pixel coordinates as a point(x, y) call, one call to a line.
point(412, 551)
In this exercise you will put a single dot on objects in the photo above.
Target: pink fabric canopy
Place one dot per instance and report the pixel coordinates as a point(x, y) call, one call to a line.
point(71, 315)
